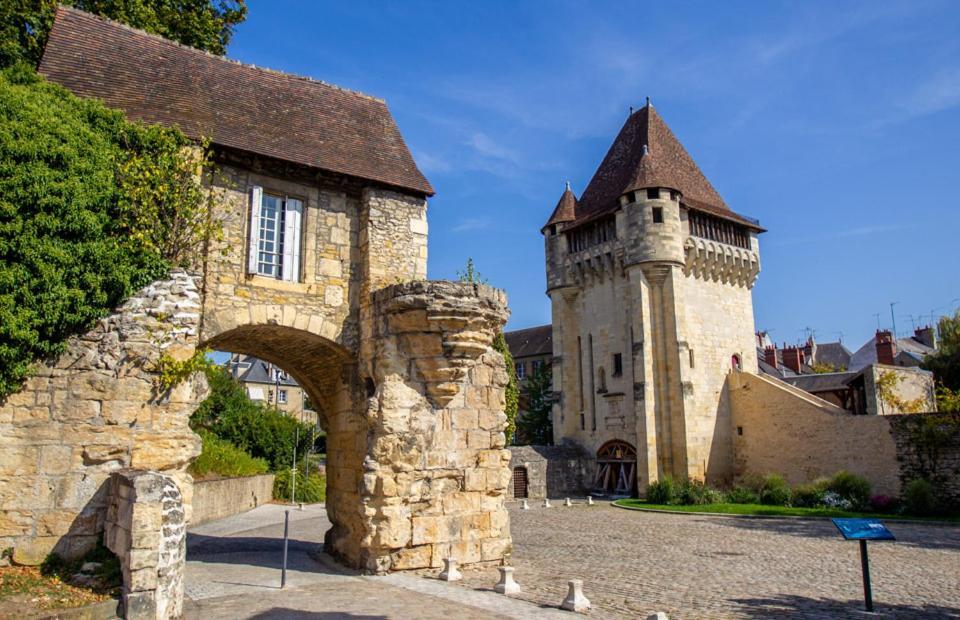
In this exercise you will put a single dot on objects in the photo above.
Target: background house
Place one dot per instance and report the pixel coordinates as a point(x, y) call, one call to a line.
point(270, 384)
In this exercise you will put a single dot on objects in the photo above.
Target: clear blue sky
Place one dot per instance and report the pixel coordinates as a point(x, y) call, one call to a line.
point(837, 124)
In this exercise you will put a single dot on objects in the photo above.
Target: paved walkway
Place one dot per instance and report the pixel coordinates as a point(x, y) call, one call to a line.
point(636, 563)
point(632, 564)
point(233, 571)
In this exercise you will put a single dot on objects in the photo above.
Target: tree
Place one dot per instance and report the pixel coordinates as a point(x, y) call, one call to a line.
point(945, 361)
point(535, 426)
point(512, 391)
point(204, 24)
point(71, 170)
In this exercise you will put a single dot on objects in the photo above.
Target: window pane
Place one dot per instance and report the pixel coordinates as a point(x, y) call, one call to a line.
point(270, 237)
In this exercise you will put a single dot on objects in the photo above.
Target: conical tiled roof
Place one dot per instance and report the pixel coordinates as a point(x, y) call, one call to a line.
point(566, 210)
point(664, 163)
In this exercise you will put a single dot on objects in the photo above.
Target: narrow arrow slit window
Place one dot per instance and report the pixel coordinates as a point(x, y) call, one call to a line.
point(274, 235)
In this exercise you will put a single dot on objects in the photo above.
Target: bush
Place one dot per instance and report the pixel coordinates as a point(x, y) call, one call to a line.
point(809, 495)
point(260, 430)
point(662, 491)
point(919, 497)
point(741, 495)
point(310, 489)
point(774, 491)
point(852, 488)
point(695, 493)
point(220, 458)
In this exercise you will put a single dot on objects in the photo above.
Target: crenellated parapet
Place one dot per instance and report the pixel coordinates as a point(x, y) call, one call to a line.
point(720, 262)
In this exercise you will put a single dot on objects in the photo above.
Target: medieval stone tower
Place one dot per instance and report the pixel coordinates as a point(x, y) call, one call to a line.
point(649, 274)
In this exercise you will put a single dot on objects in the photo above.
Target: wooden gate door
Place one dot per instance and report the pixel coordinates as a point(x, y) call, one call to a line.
point(520, 482)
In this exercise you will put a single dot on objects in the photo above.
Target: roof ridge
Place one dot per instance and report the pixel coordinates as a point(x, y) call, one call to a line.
point(296, 76)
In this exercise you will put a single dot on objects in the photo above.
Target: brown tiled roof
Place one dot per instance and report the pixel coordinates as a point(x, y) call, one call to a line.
point(566, 210)
point(530, 341)
point(266, 112)
point(663, 163)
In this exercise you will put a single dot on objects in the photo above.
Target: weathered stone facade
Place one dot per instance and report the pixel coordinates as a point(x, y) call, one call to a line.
point(96, 410)
point(675, 317)
point(404, 378)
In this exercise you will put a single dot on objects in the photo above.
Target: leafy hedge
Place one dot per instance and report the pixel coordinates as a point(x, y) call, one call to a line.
point(253, 427)
point(66, 257)
point(223, 459)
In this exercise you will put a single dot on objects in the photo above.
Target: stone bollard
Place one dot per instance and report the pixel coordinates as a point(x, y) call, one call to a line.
point(526, 505)
point(546, 503)
point(507, 585)
point(567, 502)
point(589, 500)
point(450, 571)
point(660, 615)
point(575, 600)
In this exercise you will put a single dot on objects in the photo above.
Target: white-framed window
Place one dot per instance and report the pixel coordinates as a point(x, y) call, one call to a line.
point(275, 222)
point(521, 370)
point(535, 366)
point(282, 397)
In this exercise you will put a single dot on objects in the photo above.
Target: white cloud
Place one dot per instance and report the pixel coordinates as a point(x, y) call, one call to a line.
point(938, 93)
point(471, 224)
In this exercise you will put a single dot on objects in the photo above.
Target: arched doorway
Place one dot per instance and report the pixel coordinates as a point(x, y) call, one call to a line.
point(616, 469)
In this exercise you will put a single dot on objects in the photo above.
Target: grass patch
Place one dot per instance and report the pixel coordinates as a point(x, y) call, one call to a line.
point(770, 511)
point(56, 585)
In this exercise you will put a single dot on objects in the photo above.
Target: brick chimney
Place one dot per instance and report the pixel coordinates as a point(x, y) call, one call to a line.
point(770, 355)
point(886, 347)
point(793, 358)
point(926, 335)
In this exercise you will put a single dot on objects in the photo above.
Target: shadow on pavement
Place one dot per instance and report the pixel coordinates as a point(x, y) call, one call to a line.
point(294, 614)
point(265, 552)
point(803, 607)
point(926, 536)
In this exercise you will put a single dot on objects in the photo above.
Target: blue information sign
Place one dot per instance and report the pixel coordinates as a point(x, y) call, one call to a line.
point(863, 529)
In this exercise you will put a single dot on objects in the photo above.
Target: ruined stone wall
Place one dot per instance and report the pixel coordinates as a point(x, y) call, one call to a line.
point(420, 474)
point(95, 410)
point(781, 429)
point(147, 529)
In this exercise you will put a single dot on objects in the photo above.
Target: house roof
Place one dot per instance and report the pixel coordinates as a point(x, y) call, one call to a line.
point(531, 341)
point(249, 369)
point(278, 115)
point(867, 354)
point(833, 353)
point(824, 382)
point(646, 154)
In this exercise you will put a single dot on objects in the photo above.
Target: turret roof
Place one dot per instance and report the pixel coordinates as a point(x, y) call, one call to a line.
point(647, 154)
point(566, 209)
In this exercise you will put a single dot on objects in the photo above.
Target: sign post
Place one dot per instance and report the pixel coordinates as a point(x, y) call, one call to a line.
point(863, 530)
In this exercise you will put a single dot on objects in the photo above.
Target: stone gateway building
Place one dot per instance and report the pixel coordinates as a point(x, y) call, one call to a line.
point(649, 275)
point(321, 272)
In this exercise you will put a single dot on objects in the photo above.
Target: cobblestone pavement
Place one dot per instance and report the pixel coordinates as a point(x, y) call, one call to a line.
point(636, 563)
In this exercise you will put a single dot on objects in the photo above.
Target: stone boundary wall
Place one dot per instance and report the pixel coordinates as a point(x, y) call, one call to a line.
point(777, 430)
point(552, 471)
point(146, 528)
point(95, 410)
point(216, 499)
point(939, 462)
